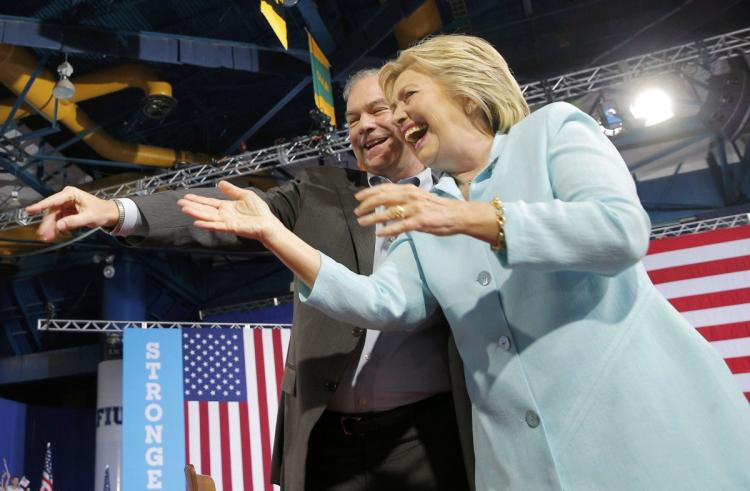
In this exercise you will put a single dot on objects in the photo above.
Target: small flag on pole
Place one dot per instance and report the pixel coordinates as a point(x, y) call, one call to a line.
point(107, 486)
point(273, 11)
point(47, 472)
point(321, 75)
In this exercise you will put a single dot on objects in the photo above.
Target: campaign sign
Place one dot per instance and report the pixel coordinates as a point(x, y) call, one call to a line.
point(153, 415)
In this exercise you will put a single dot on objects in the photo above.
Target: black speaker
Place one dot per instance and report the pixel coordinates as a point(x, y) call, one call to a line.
point(727, 106)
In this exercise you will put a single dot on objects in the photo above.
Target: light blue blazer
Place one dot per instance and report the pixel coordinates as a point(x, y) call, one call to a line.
point(582, 376)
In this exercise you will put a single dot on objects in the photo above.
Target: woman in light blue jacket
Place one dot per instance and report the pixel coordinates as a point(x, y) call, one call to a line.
point(581, 375)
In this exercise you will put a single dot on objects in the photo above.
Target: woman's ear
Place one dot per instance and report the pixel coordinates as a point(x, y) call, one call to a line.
point(469, 106)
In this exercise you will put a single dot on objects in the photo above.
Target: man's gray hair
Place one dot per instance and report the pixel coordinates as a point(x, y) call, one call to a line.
point(356, 77)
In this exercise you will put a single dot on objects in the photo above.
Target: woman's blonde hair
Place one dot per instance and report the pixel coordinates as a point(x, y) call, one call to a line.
point(467, 66)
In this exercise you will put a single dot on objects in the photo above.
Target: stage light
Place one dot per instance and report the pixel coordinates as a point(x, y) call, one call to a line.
point(609, 117)
point(653, 106)
point(64, 88)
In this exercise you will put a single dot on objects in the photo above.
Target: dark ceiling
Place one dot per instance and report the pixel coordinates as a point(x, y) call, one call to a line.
point(216, 106)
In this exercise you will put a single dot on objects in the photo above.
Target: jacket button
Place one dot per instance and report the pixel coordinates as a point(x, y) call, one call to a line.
point(532, 419)
point(483, 278)
point(331, 385)
point(357, 332)
point(504, 343)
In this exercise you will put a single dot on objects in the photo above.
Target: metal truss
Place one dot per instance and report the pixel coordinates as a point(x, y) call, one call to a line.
point(244, 164)
point(582, 82)
point(99, 326)
point(677, 229)
point(102, 326)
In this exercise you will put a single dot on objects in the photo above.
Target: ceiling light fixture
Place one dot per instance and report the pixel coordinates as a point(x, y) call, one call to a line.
point(64, 88)
point(653, 106)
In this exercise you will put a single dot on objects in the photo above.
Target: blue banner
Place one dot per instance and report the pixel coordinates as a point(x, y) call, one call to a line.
point(153, 426)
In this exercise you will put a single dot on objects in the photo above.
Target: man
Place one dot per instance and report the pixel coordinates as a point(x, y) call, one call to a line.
point(359, 410)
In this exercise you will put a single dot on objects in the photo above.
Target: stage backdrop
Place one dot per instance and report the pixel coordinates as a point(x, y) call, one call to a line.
point(206, 396)
point(706, 276)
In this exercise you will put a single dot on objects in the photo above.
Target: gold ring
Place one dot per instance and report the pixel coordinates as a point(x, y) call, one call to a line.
point(396, 213)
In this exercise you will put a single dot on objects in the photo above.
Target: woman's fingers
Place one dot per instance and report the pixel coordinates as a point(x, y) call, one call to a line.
point(204, 200)
point(232, 191)
point(385, 195)
point(395, 228)
point(212, 226)
point(200, 211)
point(380, 217)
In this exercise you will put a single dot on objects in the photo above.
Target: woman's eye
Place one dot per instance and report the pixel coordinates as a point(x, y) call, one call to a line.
point(408, 94)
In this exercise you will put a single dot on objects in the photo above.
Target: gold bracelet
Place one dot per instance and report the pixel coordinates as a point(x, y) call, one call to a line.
point(500, 216)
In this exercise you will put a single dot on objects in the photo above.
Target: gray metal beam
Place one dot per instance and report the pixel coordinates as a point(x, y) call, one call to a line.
point(45, 365)
point(25, 176)
point(151, 46)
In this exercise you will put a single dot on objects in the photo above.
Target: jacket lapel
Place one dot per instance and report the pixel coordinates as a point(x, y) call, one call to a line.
point(363, 238)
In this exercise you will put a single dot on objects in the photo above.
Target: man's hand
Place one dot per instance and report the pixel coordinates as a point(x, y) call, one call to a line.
point(245, 215)
point(71, 209)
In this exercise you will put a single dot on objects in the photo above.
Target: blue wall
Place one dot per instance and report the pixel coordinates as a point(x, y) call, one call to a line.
point(72, 433)
point(26, 431)
point(13, 417)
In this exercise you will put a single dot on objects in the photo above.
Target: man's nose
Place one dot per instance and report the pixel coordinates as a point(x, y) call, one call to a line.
point(367, 122)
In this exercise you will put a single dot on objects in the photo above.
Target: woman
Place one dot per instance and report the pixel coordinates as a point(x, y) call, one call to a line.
point(580, 374)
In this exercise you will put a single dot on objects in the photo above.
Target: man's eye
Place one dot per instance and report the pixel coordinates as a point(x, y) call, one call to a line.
point(352, 123)
point(381, 110)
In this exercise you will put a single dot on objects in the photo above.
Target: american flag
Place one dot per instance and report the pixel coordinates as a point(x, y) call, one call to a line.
point(231, 383)
point(706, 276)
point(47, 472)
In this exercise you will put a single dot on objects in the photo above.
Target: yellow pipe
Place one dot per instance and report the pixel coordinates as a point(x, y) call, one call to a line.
point(16, 66)
point(423, 21)
point(101, 83)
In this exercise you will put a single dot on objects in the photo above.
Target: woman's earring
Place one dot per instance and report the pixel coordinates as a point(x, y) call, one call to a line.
point(469, 108)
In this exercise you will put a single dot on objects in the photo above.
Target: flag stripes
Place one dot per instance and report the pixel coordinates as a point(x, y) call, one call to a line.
point(706, 277)
point(232, 440)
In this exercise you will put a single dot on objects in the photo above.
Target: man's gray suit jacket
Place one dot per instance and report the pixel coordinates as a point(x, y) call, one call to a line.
point(317, 206)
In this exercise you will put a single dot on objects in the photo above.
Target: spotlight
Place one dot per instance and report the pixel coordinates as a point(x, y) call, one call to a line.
point(64, 88)
point(609, 117)
point(653, 106)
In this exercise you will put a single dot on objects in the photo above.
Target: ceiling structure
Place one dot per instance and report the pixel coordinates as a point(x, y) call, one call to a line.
point(161, 85)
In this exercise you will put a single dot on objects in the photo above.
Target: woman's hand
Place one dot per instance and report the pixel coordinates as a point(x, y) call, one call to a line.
point(249, 216)
point(245, 214)
point(409, 208)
